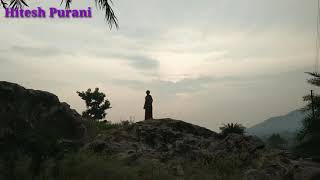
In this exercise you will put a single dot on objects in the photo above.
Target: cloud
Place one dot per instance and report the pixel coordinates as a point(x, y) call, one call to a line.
point(139, 62)
point(32, 51)
point(144, 63)
point(186, 85)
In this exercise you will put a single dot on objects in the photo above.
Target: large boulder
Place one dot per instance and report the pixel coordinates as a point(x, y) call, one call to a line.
point(38, 110)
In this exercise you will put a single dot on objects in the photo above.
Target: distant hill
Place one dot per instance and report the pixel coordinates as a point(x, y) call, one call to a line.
point(285, 125)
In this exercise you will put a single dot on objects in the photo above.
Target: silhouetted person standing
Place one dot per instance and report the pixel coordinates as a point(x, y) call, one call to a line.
point(148, 106)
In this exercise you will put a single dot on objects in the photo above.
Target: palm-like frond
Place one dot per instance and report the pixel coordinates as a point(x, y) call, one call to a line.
point(109, 13)
point(17, 4)
point(68, 3)
point(314, 74)
point(104, 5)
point(232, 128)
point(4, 4)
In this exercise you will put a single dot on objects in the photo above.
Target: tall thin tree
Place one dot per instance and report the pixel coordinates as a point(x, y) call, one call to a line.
point(309, 134)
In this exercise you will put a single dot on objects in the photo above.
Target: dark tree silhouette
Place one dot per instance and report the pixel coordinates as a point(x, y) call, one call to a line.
point(232, 128)
point(309, 134)
point(104, 5)
point(96, 104)
point(276, 141)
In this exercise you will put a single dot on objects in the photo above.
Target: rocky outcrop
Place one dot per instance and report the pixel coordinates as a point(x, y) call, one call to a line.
point(159, 139)
point(38, 110)
point(169, 140)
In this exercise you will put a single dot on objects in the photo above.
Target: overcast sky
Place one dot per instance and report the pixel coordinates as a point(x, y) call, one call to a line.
point(206, 62)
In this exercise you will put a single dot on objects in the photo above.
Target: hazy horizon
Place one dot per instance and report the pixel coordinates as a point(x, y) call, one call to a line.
point(208, 62)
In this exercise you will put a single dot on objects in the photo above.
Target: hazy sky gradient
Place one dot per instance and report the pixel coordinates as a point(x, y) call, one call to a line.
point(207, 62)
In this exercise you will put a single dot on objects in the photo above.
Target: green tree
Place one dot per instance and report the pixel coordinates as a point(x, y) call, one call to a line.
point(96, 104)
point(309, 134)
point(232, 128)
point(276, 141)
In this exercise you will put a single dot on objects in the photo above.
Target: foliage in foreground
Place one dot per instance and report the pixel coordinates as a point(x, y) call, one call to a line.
point(95, 128)
point(87, 166)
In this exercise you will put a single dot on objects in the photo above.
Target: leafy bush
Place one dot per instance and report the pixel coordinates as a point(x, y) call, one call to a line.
point(232, 128)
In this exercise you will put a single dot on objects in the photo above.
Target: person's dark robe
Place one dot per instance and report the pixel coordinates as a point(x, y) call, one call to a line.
point(148, 107)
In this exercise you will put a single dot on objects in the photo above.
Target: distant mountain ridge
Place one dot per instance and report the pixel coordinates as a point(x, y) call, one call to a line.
point(286, 124)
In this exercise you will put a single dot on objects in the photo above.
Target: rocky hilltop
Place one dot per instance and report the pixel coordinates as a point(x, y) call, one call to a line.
point(182, 148)
point(168, 139)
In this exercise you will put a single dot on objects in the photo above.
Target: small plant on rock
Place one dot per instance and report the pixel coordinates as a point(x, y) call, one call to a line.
point(232, 128)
